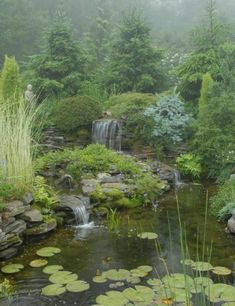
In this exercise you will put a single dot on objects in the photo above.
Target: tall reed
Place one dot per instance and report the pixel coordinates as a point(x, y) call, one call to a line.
point(17, 136)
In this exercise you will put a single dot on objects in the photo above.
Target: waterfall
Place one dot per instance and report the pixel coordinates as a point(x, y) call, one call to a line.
point(177, 179)
point(81, 215)
point(107, 132)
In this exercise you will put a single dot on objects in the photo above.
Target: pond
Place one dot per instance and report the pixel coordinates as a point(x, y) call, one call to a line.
point(89, 251)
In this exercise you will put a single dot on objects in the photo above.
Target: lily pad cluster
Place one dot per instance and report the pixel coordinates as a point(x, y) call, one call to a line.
point(202, 266)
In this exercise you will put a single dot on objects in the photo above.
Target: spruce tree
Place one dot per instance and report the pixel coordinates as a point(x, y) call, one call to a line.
point(60, 69)
point(207, 84)
point(133, 64)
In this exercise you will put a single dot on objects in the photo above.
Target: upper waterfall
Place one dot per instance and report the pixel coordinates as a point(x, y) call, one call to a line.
point(107, 132)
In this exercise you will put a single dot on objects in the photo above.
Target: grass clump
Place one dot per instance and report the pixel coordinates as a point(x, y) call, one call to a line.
point(189, 165)
point(17, 133)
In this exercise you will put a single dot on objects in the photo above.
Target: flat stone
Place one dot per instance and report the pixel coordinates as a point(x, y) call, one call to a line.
point(89, 186)
point(32, 215)
point(8, 253)
point(28, 198)
point(9, 241)
point(6, 220)
point(17, 227)
point(73, 201)
point(15, 208)
point(108, 178)
point(41, 229)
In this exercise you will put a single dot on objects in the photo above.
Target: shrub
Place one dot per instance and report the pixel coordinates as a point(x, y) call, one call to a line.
point(189, 165)
point(223, 202)
point(8, 191)
point(75, 112)
point(168, 119)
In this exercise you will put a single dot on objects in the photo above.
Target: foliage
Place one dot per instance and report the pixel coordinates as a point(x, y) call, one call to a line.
point(59, 71)
point(6, 289)
point(168, 120)
point(17, 146)
point(226, 211)
point(2, 207)
point(189, 165)
point(134, 64)
point(43, 194)
point(8, 191)
point(130, 108)
point(223, 203)
point(207, 84)
point(208, 39)
point(112, 220)
point(74, 112)
point(214, 135)
point(10, 79)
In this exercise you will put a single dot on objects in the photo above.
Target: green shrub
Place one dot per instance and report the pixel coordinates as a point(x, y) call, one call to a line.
point(188, 164)
point(9, 191)
point(2, 207)
point(75, 112)
point(223, 201)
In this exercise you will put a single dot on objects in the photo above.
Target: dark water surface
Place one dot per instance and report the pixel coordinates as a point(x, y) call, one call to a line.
point(103, 250)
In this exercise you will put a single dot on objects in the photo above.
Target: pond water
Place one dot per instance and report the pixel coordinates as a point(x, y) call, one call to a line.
point(101, 249)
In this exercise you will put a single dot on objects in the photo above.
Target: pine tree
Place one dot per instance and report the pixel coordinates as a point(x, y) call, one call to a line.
point(134, 64)
point(10, 79)
point(60, 70)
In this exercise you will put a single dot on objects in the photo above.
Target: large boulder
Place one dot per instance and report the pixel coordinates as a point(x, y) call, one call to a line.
point(231, 224)
point(41, 229)
point(89, 186)
point(165, 172)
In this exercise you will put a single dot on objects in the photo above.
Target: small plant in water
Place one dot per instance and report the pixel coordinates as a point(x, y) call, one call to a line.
point(113, 220)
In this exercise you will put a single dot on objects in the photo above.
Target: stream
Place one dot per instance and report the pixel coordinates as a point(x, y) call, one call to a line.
point(101, 250)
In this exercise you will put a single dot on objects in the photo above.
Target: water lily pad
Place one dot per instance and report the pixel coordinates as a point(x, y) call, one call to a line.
point(117, 275)
point(220, 292)
point(139, 294)
point(138, 273)
point(53, 290)
point(38, 263)
point(154, 282)
point(187, 262)
point(52, 269)
point(48, 251)
point(202, 266)
point(114, 298)
point(133, 280)
point(63, 277)
point(99, 279)
point(221, 271)
point(200, 283)
point(148, 235)
point(145, 268)
point(77, 286)
point(178, 280)
point(12, 268)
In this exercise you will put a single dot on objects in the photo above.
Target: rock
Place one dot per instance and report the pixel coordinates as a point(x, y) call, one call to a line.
point(42, 228)
point(32, 215)
point(6, 220)
point(70, 201)
point(232, 177)
point(108, 178)
point(28, 198)
point(17, 227)
point(10, 240)
point(231, 224)
point(15, 208)
point(65, 182)
point(89, 186)
point(8, 253)
point(165, 172)
point(126, 189)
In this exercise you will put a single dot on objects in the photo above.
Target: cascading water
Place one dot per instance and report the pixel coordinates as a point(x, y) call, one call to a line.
point(178, 182)
point(107, 132)
point(81, 215)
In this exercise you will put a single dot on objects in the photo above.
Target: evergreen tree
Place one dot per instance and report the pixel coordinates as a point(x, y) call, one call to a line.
point(133, 64)
point(207, 84)
point(207, 40)
point(61, 69)
point(10, 79)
